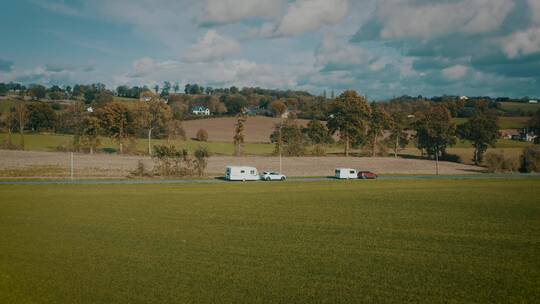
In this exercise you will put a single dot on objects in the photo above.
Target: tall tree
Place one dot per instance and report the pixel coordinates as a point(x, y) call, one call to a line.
point(76, 113)
point(22, 116)
point(176, 87)
point(41, 116)
point(241, 119)
point(378, 122)
point(435, 132)
point(317, 133)
point(349, 114)
point(119, 122)
point(398, 138)
point(278, 108)
point(37, 91)
point(154, 114)
point(175, 130)
point(90, 133)
point(482, 130)
point(289, 138)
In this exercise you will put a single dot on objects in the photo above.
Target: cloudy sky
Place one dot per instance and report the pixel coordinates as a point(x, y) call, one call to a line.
point(381, 48)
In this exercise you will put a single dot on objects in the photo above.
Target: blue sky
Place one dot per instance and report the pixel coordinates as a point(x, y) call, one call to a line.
point(381, 48)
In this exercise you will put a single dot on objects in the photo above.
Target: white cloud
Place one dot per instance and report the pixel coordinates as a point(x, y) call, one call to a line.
point(212, 46)
point(303, 16)
point(522, 43)
point(307, 15)
point(334, 54)
point(455, 72)
point(223, 73)
point(227, 11)
point(404, 19)
point(535, 10)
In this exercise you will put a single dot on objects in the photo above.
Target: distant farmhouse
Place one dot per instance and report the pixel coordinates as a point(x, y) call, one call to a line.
point(201, 110)
point(533, 101)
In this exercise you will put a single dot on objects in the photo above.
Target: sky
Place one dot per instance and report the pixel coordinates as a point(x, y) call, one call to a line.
point(380, 48)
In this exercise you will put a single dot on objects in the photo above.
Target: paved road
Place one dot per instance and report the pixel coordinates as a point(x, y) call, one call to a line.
point(292, 180)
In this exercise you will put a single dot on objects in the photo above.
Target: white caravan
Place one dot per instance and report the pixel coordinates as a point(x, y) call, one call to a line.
point(346, 173)
point(233, 173)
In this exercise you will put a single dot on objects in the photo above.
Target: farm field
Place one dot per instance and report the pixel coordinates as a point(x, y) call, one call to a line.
point(333, 242)
point(517, 106)
point(504, 122)
point(257, 129)
point(27, 164)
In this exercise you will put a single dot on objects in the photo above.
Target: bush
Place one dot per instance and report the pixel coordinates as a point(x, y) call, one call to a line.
point(172, 162)
point(140, 171)
point(530, 159)
point(202, 135)
point(498, 162)
point(200, 162)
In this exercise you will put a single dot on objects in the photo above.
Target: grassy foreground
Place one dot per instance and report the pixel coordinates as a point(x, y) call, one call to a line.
point(333, 242)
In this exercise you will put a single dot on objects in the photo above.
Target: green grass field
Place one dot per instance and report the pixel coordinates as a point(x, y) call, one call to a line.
point(518, 106)
point(326, 242)
point(50, 142)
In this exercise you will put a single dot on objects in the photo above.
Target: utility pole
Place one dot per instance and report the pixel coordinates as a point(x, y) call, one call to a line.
point(72, 170)
point(280, 144)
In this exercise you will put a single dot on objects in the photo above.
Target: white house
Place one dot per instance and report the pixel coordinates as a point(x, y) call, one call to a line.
point(200, 110)
point(533, 101)
point(463, 98)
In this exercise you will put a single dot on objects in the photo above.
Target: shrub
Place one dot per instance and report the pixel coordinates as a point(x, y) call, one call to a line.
point(202, 135)
point(530, 159)
point(140, 171)
point(498, 162)
point(200, 162)
point(172, 162)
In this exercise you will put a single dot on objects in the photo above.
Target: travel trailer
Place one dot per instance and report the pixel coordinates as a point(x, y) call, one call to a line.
point(346, 173)
point(233, 173)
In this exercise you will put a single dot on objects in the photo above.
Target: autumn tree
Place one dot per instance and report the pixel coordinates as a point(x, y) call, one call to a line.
point(154, 114)
point(399, 138)
point(435, 132)
point(379, 121)
point(118, 122)
point(21, 114)
point(349, 113)
point(90, 129)
point(482, 130)
point(278, 108)
point(317, 133)
point(289, 139)
point(74, 116)
point(41, 116)
point(175, 130)
point(238, 138)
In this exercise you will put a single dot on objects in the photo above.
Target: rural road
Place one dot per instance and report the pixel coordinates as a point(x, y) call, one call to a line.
point(293, 180)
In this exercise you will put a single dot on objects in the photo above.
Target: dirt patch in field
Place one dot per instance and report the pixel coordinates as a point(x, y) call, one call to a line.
point(115, 166)
point(258, 128)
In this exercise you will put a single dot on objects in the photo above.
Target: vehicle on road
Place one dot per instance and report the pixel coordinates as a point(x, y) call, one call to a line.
point(346, 173)
point(367, 175)
point(273, 176)
point(241, 173)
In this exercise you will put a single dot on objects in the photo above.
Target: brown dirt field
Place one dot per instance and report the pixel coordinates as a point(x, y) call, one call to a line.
point(258, 128)
point(56, 164)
